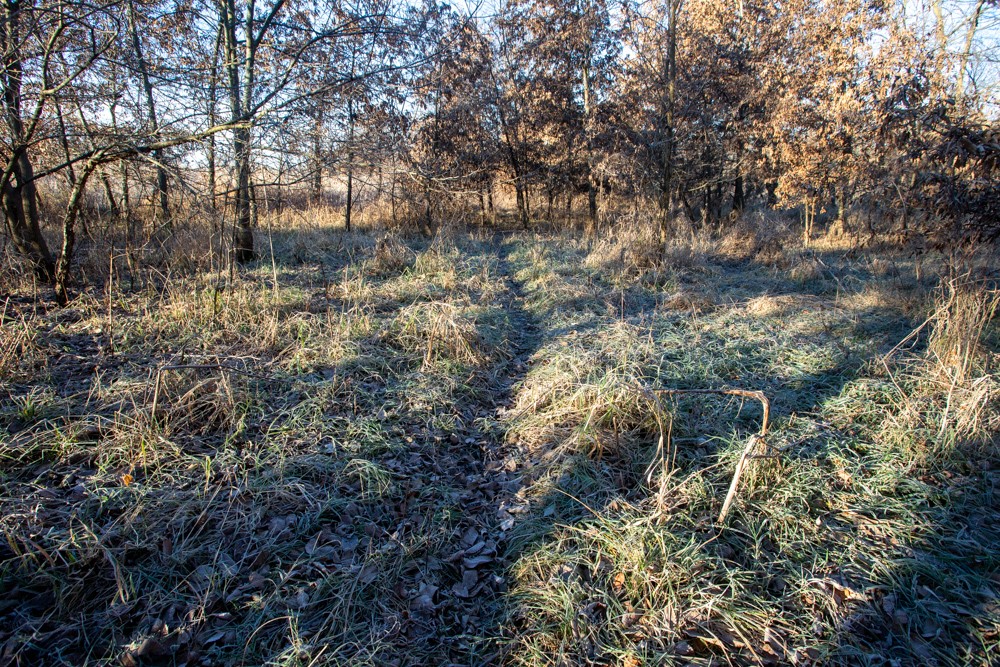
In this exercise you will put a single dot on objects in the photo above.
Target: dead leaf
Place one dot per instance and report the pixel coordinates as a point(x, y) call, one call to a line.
point(215, 637)
point(628, 620)
point(475, 548)
point(929, 629)
point(425, 597)
point(477, 561)
point(805, 656)
point(774, 643)
point(368, 574)
point(470, 537)
point(151, 648)
point(465, 589)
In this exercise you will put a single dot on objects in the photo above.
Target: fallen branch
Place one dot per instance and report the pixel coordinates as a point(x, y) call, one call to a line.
point(664, 449)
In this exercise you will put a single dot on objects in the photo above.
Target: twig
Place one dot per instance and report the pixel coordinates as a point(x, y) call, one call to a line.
point(743, 393)
point(752, 444)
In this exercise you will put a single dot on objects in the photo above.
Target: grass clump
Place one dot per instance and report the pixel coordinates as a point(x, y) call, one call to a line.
point(391, 257)
point(441, 331)
point(584, 394)
point(948, 394)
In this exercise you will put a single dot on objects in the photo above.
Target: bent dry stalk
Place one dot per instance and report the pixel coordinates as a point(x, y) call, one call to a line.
point(664, 452)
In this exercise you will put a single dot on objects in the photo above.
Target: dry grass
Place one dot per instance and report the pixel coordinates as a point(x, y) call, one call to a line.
point(846, 547)
point(249, 519)
point(18, 340)
point(951, 394)
point(806, 267)
point(760, 237)
point(441, 331)
point(964, 311)
point(383, 450)
point(584, 395)
point(391, 257)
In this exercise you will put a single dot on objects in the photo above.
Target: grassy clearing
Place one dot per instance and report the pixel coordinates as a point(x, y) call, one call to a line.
point(862, 536)
point(375, 450)
point(305, 476)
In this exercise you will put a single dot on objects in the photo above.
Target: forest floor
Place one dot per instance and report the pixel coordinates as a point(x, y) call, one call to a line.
point(379, 451)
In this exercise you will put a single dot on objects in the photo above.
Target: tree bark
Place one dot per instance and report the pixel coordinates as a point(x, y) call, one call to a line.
point(19, 195)
point(317, 156)
point(213, 94)
point(670, 70)
point(163, 206)
point(591, 230)
point(126, 205)
point(489, 202)
point(243, 250)
point(239, 99)
point(970, 35)
point(350, 165)
point(62, 273)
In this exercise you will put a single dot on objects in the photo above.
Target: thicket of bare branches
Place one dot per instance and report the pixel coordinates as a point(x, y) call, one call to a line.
point(128, 116)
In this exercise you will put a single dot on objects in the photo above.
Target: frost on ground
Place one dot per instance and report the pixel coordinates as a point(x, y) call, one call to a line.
point(402, 452)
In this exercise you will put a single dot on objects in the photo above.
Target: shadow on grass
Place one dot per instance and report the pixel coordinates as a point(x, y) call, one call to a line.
point(364, 506)
point(839, 551)
point(275, 511)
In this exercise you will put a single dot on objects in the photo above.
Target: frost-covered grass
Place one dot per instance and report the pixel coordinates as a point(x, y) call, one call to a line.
point(384, 450)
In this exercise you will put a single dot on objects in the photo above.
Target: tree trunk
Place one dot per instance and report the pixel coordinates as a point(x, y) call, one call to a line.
point(843, 202)
point(510, 144)
point(20, 200)
point(527, 207)
point(243, 250)
point(772, 197)
point(163, 208)
point(809, 219)
point(739, 198)
point(694, 216)
point(62, 272)
point(392, 201)
point(522, 203)
point(317, 157)
point(427, 221)
point(489, 202)
point(125, 208)
point(591, 230)
point(670, 70)
point(970, 35)
point(213, 94)
point(25, 232)
point(239, 103)
point(109, 194)
point(350, 197)
point(350, 165)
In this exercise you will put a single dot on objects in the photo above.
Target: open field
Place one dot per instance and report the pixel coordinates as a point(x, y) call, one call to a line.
point(373, 450)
